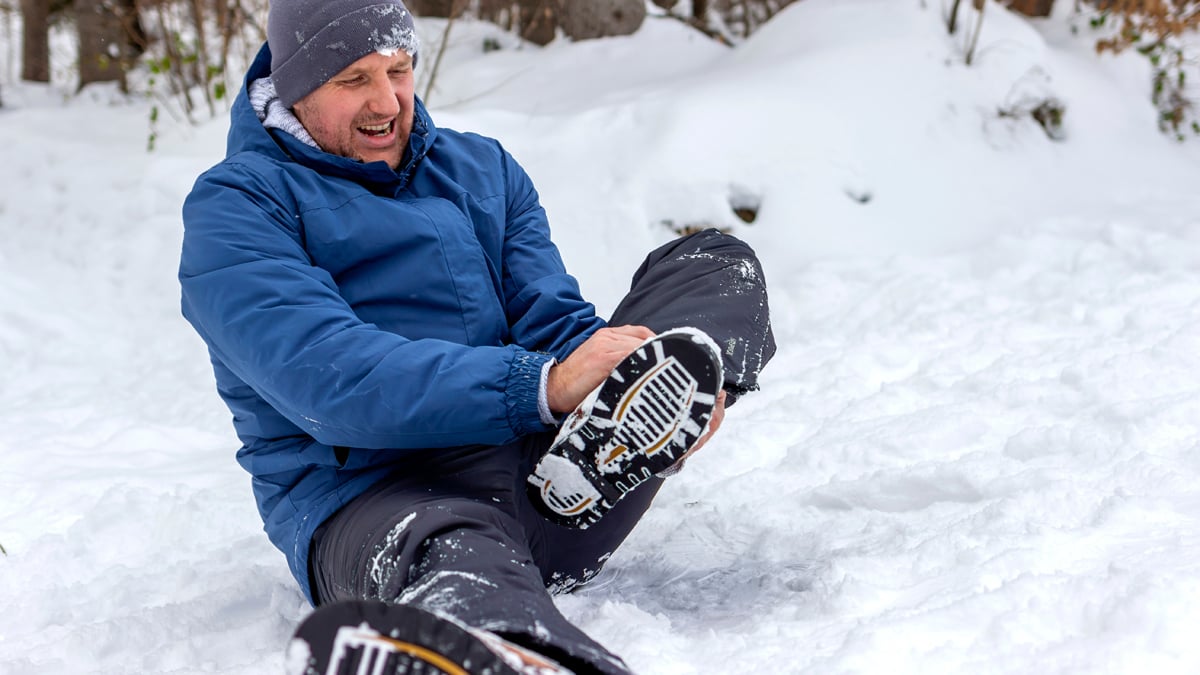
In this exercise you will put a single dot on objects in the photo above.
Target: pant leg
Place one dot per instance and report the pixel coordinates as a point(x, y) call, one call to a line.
point(443, 537)
point(569, 557)
point(708, 280)
point(714, 282)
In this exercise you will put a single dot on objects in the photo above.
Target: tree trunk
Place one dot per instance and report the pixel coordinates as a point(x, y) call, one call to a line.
point(99, 43)
point(433, 8)
point(35, 52)
point(134, 40)
point(1032, 7)
point(538, 22)
point(110, 38)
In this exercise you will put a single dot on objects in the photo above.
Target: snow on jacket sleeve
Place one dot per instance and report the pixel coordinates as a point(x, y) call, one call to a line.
point(279, 324)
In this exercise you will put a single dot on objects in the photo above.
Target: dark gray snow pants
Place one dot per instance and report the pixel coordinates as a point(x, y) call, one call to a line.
point(453, 530)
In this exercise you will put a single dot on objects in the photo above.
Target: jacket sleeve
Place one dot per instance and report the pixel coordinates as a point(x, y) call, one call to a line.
point(279, 324)
point(546, 311)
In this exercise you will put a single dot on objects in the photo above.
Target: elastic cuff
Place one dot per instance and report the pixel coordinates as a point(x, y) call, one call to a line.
point(544, 411)
point(522, 391)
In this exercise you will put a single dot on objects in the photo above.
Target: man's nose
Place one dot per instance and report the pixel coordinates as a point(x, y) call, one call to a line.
point(382, 100)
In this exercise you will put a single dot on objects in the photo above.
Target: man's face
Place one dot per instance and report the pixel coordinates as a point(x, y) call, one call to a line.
point(364, 112)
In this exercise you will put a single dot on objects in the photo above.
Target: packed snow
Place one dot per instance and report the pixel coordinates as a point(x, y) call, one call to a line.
point(977, 450)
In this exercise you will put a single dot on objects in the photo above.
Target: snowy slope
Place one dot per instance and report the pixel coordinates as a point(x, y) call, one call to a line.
point(978, 448)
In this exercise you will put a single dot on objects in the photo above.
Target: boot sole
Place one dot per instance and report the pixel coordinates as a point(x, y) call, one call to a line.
point(649, 411)
point(365, 637)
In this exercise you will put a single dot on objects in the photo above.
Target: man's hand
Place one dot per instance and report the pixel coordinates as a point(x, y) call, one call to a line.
point(718, 416)
point(576, 376)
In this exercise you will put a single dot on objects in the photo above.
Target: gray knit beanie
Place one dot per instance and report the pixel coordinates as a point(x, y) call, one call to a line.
point(313, 40)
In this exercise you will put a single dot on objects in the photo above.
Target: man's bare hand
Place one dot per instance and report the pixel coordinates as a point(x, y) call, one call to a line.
point(571, 380)
point(718, 416)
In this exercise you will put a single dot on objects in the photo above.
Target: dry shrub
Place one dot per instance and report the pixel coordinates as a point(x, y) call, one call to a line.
point(1156, 28)
point(741, 18)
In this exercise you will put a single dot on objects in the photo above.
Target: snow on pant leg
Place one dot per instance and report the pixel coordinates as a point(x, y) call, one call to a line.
point(449, 543)
point(569, 557)
point(714, 282)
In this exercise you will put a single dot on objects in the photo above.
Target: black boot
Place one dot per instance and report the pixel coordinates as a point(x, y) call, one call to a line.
point(370, 637)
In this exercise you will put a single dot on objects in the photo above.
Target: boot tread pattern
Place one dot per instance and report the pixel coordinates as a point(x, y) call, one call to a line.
point(643, 417)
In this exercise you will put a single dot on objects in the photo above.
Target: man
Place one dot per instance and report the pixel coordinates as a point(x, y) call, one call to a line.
point(398, 341)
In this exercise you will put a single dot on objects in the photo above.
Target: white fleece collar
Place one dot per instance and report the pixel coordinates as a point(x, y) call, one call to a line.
point(273, 114)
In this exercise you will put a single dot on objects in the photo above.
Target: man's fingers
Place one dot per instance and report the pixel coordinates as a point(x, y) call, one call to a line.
point(586, 367)
point(605, 349)
point(718, 416)
point(616, 342)
point(639, 332)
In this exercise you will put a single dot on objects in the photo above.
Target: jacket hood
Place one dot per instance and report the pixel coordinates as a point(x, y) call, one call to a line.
point(247, 134)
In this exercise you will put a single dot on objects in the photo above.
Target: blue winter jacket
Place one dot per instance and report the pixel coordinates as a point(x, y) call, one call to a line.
point(353, 312)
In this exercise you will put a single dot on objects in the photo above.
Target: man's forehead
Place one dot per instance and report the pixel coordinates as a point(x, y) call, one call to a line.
point(378, 60)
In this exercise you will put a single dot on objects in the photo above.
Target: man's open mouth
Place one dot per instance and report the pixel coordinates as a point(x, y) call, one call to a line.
point(378, 129)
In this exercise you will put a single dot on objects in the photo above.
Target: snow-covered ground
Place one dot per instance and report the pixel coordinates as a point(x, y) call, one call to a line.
point(978, 449)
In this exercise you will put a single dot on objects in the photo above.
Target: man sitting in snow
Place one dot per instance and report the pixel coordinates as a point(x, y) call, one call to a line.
point(399, 342)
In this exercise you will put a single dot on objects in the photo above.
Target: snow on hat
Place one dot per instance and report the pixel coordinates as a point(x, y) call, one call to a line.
point(313, 40)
